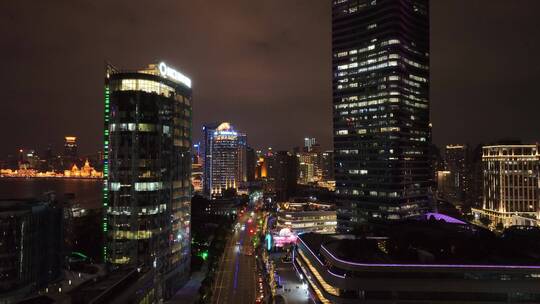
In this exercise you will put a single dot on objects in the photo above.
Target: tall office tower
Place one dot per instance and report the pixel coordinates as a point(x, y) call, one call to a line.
point(147, 170)
point(381, 108)
point(251, 162)
point(270, 162)
point(70, 156)
point(511, 183)
point(285, 175)
point(224, 160)
point(242, 158)
point(457, 163)
point(208, 133)
point(327, 165)
point(70, 146)
point(308, 143)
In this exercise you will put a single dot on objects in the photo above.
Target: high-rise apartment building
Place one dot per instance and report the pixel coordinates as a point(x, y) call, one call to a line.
point(147, 170)
point(381, 108)
point(511, 183)
point(225, 158)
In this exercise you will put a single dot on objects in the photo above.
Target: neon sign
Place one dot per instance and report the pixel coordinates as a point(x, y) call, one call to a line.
point(168, 72)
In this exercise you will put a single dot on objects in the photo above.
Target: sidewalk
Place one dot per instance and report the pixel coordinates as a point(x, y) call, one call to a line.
point(190, 292)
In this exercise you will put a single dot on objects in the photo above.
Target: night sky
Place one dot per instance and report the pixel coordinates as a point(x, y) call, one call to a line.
point(263, 65)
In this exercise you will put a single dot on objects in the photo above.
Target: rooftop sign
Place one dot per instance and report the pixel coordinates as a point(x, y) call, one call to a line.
point(174, 75)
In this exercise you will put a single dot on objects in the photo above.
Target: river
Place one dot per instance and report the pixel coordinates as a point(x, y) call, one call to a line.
point(87, 192)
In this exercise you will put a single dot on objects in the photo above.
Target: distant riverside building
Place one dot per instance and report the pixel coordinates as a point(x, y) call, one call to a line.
point(225, 159)
point(381, 109)
point(147, 171)
point(28, 159)
point(31, 247)
point(86, 171)
point(511, 183)
point(457, 163)
point(439, 260)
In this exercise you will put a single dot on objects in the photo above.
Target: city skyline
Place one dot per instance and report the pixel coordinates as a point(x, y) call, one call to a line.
point(459, 93)
point(303, 152)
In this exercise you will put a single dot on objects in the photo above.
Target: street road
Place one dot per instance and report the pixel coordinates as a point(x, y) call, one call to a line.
point(236, 278)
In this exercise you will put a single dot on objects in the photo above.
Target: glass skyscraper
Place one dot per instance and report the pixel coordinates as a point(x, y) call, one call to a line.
point(147, 170)
point(381, 108)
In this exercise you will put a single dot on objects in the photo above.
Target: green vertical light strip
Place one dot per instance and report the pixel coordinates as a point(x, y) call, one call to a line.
point(105, 169)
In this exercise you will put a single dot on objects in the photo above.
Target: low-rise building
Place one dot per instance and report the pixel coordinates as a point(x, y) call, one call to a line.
point(306, 217)
point(440, 260)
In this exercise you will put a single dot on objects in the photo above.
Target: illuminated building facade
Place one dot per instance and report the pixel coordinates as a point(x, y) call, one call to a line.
point(303, 217)
point(306, 173)
point(381, 108)
point(147, 171)
point(86, 171)
point(511, 183)
point(225, 159)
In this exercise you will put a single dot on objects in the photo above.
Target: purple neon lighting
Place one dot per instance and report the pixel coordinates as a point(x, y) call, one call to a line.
point(335, 274)
point(444, 217)
point(305, 245)
point(429, 265)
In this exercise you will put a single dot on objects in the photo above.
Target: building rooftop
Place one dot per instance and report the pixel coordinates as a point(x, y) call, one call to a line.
point(296, 206)
point(434, 242)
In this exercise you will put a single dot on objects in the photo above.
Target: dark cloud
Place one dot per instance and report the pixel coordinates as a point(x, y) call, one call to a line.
point(263, 65)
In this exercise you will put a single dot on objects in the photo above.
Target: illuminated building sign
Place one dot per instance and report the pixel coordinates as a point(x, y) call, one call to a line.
point(170, 73)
